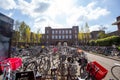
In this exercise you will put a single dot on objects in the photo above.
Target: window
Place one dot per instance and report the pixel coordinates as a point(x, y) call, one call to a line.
point(59, 36)
point(52, 36)
point(56, 31)
point(59, 31)
point(63, 31)
point(66, 36)
point(63, 37)
point(66, 31)
point(70, 31)
point(47, 36)
point(76, 36)
point(47, 31)
point(70, 36)
point(56, 37)
point(52, 31)
point(75, 31)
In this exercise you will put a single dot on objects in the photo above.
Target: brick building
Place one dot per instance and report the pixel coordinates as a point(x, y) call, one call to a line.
point(95, 34)
point(62, 35)
point(117, 33)
point(6, 28)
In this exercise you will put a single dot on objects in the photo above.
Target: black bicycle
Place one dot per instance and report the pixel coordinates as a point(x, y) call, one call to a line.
point(115, 70)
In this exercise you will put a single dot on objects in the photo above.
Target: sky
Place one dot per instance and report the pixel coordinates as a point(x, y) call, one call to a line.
point(39, 14)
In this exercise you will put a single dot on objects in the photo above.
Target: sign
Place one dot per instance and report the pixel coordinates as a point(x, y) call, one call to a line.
point(28, 75)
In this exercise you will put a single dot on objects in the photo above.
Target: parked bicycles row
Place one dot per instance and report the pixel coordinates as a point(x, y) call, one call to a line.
point(43, 60)
point(107, 51)
point(56, 63)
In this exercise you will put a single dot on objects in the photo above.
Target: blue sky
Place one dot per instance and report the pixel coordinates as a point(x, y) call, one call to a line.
point(63, 13)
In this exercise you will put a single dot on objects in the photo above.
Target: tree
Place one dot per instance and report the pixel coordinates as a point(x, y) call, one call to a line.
point(27, 34)
point(102, 28)
point(85, 34)
point(39, 36)
point(16, 36)
point(22, 30)
point(33, 37)
point(81, 35)
point(16, 33)
point(102, 35)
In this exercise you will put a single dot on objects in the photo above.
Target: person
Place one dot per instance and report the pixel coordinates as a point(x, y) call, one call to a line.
point(82, 58)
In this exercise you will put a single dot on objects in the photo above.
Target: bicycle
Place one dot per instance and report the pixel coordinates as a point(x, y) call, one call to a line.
point(9, 67)
point(115, 70)
point(94, 71)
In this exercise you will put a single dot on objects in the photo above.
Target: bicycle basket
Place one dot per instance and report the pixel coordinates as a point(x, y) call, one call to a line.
point(96, 70)
point(15, 63)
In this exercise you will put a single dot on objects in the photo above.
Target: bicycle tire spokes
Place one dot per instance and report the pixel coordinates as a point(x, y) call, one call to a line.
point(115, 70)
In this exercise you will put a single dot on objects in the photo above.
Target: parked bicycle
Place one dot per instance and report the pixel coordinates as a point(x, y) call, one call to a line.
point(93, 71)
point(115, 70)
point(9, 67)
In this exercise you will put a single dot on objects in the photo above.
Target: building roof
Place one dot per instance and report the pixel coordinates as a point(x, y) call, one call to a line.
point(117, 22)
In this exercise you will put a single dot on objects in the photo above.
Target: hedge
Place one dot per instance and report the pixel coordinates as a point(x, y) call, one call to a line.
point(106, 41)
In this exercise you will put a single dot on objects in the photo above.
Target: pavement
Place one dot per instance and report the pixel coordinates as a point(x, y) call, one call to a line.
point(109, 57)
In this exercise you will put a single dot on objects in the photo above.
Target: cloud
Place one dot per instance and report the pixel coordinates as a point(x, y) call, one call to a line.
point(10, 14)
point(33, 9)
point(48, 12)
point(94, 28)
point(82, 14)
point(42, 7)
point(7, 4)
point(41, 23)
point(106, 27)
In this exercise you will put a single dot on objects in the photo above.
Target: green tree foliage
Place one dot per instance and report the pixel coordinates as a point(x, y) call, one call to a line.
point(16, 33)
point(27, 34)
point(22, 31)
point(16, 36)
point(108, 41)
point(39, 36)
point(84, 34)
point(102, 35)
point(33, 37)
point(81, 35)
point(87, 32)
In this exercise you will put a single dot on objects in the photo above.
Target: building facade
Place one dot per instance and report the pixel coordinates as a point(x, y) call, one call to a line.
point(6, 28)
point(95, 34)
point(62, 35)
point(117, 33)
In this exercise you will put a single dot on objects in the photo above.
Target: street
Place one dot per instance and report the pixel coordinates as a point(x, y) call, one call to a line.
point(107, 63)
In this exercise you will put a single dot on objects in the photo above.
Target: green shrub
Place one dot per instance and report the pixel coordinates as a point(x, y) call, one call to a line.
point(109, 41)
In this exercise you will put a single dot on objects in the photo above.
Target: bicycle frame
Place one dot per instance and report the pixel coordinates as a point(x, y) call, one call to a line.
point(7, 73)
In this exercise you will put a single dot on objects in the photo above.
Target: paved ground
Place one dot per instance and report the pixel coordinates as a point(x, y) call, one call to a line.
point(106, 62)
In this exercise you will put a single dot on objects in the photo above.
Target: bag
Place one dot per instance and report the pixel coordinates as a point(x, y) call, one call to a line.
point(96, 70)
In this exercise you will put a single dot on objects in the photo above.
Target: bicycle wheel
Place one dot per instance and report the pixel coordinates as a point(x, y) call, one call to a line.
point(32, 66)
point(44, 65)
point(115, 70)
point(83, 72)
